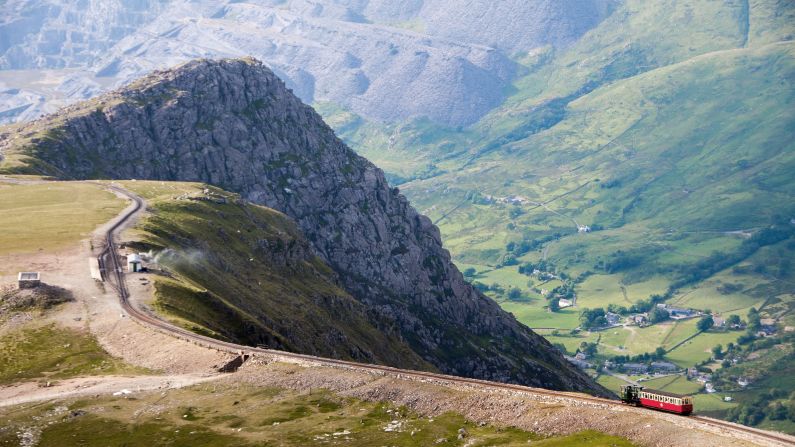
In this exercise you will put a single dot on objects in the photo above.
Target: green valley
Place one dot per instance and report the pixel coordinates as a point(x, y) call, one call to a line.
point(649, 163)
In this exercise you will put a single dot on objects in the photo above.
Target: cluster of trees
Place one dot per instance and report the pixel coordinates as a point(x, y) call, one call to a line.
point(647, 304)
point(774, 405)
point(589, 349)
point(705, 323)
point(542, 266)
point(494, 288)
point(517, 249)
point(593, 318)
point(658, 354)
point(565, 290)
point(658, 315)
point(512, 293)
point(753, 326)
point(717, 261)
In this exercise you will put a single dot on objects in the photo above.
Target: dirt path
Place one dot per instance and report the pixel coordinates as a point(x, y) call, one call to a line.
point(28, 392)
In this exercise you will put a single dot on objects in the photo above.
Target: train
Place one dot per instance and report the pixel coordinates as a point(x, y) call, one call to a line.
point(655, 399)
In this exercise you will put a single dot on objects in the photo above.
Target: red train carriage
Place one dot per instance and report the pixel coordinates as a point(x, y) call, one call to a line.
point(658, 400)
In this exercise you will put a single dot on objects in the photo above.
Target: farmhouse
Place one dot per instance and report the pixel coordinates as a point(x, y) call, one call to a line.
point(29, 280)
point(663, 367)
point(582, 364)
point(677, 313)
point(612, 318)
point(635, 368)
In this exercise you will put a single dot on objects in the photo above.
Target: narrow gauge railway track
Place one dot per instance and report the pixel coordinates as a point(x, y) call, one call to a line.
point(113, 273)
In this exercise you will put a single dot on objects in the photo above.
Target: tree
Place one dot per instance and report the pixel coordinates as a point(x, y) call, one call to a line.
point(754, 320)
point(659, 352)
point(733, 320)
point(616, 309)
point(470, 272)
point(657, 315)
point(590, 318)
point(717, 352)
point(554, 305)
point(515, 294)
point(705, 323)
point(777, 412)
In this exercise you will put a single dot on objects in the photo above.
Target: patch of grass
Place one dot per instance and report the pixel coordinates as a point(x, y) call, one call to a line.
point(245, 273)
point(674, 384)
point(699, 348)
point(237, 414)
point(51, 216)
point(53, 352)
point(610, 382)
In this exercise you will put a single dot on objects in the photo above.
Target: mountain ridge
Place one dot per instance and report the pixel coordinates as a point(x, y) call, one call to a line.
point(233, 124)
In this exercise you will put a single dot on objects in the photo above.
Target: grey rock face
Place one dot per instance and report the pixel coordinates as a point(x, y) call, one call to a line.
point(386, 61)
point(233, 123)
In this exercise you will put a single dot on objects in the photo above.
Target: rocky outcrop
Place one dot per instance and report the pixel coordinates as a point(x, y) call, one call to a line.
point(232, 123)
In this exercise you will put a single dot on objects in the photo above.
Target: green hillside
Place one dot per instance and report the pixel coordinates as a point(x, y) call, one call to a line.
point(244, 273)
point(668, 130)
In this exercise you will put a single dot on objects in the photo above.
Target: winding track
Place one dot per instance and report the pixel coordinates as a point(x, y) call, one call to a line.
point(114, 274)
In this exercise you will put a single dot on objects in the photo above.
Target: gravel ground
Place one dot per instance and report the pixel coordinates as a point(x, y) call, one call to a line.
point(538, 413)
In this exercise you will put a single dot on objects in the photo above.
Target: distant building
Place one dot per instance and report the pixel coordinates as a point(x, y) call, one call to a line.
point(692, 372)
point(134, 263)
point(663, 367)
point(678, 313)
point(708, 387)
point(767, 321)
point(581, 356)
point(29, 280)
point(582, 364)
point(635, 368)
point(564, 303)
point(583, 229)
point(767, 330)
point(640, 319)
point(612, 319)
point(743, 382)
point(718, 322)
point(704, 378)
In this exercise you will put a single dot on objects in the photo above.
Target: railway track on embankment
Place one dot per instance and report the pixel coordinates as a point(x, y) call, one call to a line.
point(113, 273)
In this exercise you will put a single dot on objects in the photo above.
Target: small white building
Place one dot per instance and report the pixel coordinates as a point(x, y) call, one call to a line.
point(563, 303)
point(29, 280)
point(583, 229)
point(134, 263)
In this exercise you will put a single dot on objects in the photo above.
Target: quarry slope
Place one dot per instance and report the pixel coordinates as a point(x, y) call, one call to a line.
point(233, 124)
point(449, 61)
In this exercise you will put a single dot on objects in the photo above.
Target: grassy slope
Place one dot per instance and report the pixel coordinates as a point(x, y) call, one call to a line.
point(242, 272)
point(242, 415)
point(675, 127)
point(52, 352)
point(50, 216)
point(670, 124)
